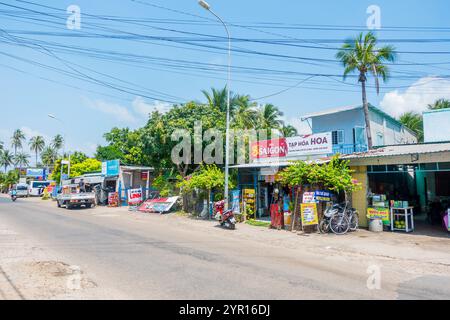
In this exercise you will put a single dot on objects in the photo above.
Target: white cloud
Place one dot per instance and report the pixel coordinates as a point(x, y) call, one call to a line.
point(417, 97)
point(117, 111)
point(144, 109)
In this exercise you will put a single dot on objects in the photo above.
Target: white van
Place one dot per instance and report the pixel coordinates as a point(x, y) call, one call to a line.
point(22, 190)
point(37, 188)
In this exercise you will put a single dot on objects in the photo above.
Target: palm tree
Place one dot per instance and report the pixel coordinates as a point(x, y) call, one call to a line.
point(414, 122)
point(218, 98)
point(49, 155)
point(245, 115)
point(21, 159)
point(361, 55)
point(1, 146)
point(6, 159)
point(37, 144)
point(439, 104)
point(269, 117)
point(288, 131)
point(17, 140)
point(57, 142)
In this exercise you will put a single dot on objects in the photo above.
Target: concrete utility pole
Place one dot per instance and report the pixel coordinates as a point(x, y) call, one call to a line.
point(206, 6)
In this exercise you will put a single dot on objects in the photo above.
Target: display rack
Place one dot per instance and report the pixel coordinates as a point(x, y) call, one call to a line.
point(402, 214)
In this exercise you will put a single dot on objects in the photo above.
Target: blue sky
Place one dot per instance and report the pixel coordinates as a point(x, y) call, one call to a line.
point(295, 35)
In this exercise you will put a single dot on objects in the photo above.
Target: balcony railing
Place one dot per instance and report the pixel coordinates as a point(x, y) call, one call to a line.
point(349, 148)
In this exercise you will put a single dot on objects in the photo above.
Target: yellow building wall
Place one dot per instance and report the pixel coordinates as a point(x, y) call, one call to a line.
point(359, 198)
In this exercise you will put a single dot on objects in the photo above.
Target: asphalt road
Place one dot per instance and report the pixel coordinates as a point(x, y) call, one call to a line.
point(154, 258)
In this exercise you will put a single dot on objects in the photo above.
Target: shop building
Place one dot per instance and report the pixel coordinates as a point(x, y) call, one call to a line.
point(347, 126)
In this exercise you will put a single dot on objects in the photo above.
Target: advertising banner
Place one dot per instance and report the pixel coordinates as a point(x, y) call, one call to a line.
point(110, 168)
point(309, 214)
point(323, 196)
point(235, 201)
point(320, 143)
point(276, 148)
point(308, 197)
point(134, 196)
point(382, 213)
point(113, 199)
point(158, 205)
point(36, 173)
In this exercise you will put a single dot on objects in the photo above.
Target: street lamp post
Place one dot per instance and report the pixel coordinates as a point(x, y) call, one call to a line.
point(206, 6)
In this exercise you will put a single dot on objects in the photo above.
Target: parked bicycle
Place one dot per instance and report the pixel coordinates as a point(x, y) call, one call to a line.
point(339, 218)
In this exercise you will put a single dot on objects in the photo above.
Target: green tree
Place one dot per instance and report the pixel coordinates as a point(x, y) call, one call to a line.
point(37, 144)
point(6, 159)
point(49, 155)
point(269, 117)
point(21, 159)
point(17, 140)
point(87, 166)
point(439, 104)
point(288, 131)
point(414, 122)
point(245, 114)
point(361, 55)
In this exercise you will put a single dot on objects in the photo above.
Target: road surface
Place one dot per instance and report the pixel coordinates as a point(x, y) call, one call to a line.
point(126, 255)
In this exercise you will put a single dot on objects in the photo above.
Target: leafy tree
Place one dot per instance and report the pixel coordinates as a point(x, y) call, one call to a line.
point(17, 140)
point(87, 166)
point(111, 152)
point(21, 159)
point(8, 179)
point(414, 122)
point(6, 159)
point(49, 155)
point(288, 131)
point(439, 104)
point(362, 55)
point(57, 142)
point(37, 144)
point(269, 117)
point(75, 158)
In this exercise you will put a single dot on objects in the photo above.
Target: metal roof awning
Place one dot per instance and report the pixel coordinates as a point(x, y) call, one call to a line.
point(136, 168)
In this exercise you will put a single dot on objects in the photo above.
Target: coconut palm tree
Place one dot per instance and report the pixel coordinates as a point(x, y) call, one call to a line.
point(218, 98)
point(57, 142)
point(17, 140)
point(269, 117)
point(21, 159)
point(361, 55)
point(6, 159)
point(439, 104)
point(49, 155)
point(37, 144)
point(288, 131)
point(414, 122)
point(245, 114)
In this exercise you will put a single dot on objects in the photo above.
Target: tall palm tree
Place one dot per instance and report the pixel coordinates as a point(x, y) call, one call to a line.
point(37, 144)
point(439, 104)
point(414, 122)
point(245, 114)
point(57, 142)
point(361, 55)
point(218, 98)
point(269, 117)
point(49, 155)
point(1, 146)
point(6, 159)
point(288, 131)
point(21, 159)
point(17, 139)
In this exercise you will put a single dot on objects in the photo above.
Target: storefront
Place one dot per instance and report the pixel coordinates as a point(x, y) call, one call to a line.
point(407, 185)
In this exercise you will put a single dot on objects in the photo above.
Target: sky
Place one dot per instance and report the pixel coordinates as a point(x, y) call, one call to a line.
point(131, 57)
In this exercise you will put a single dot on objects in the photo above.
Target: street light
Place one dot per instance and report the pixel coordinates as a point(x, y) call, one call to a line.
point(207, 7)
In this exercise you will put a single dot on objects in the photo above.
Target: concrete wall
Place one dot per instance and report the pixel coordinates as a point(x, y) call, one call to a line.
point(359, 198)
point(436, 125)
point(388, 132)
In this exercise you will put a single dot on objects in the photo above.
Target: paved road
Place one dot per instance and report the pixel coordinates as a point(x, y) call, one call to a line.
point(155, 258)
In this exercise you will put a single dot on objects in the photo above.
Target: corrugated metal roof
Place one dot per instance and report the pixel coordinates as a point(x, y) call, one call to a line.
point(399, 150)
point(331, 111)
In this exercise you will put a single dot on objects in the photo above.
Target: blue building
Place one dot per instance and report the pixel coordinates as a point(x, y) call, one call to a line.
point(436, 125)
point(347, 125)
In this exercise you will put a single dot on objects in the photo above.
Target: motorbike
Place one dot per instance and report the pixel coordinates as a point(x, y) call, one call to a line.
point(226, 218)
point(13, 197)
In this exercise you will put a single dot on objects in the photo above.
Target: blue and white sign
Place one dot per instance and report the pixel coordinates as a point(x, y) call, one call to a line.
point(35, 173)
point(110, 168)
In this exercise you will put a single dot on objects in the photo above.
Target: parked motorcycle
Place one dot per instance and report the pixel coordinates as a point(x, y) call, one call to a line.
point(339, 218)
point(226, 219)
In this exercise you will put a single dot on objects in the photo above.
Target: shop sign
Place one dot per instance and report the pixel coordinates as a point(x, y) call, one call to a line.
point(249, 200)
point(36, 173)
point(235, 206)
point(134, 196)
point(113, 199)
point(309, 214)
point(275, 148)
point(110, 168)
point(323, 196)
point(158, 205)
point(320, 143)
point(144, 176)
point(308, 197)
point(382, 213)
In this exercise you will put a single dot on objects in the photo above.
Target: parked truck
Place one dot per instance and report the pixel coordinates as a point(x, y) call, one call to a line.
point(71, 197)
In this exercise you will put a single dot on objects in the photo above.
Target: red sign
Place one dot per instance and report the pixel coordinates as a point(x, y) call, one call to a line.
point(276, 148)
point(144, 176)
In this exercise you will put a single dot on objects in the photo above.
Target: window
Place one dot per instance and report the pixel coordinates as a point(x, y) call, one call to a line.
point(338, 137)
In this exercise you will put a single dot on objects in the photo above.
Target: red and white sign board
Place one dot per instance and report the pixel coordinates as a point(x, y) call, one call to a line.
point(313, 144)
point(134, 196)
point(158, 205)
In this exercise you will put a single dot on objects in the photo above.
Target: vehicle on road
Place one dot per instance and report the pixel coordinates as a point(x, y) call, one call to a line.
point(226, 218)
point(13, 195)
point(21, 190)
point(36, 188)
point(70, 197)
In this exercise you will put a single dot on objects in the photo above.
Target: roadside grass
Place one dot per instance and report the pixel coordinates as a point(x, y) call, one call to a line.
point(262, 224)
